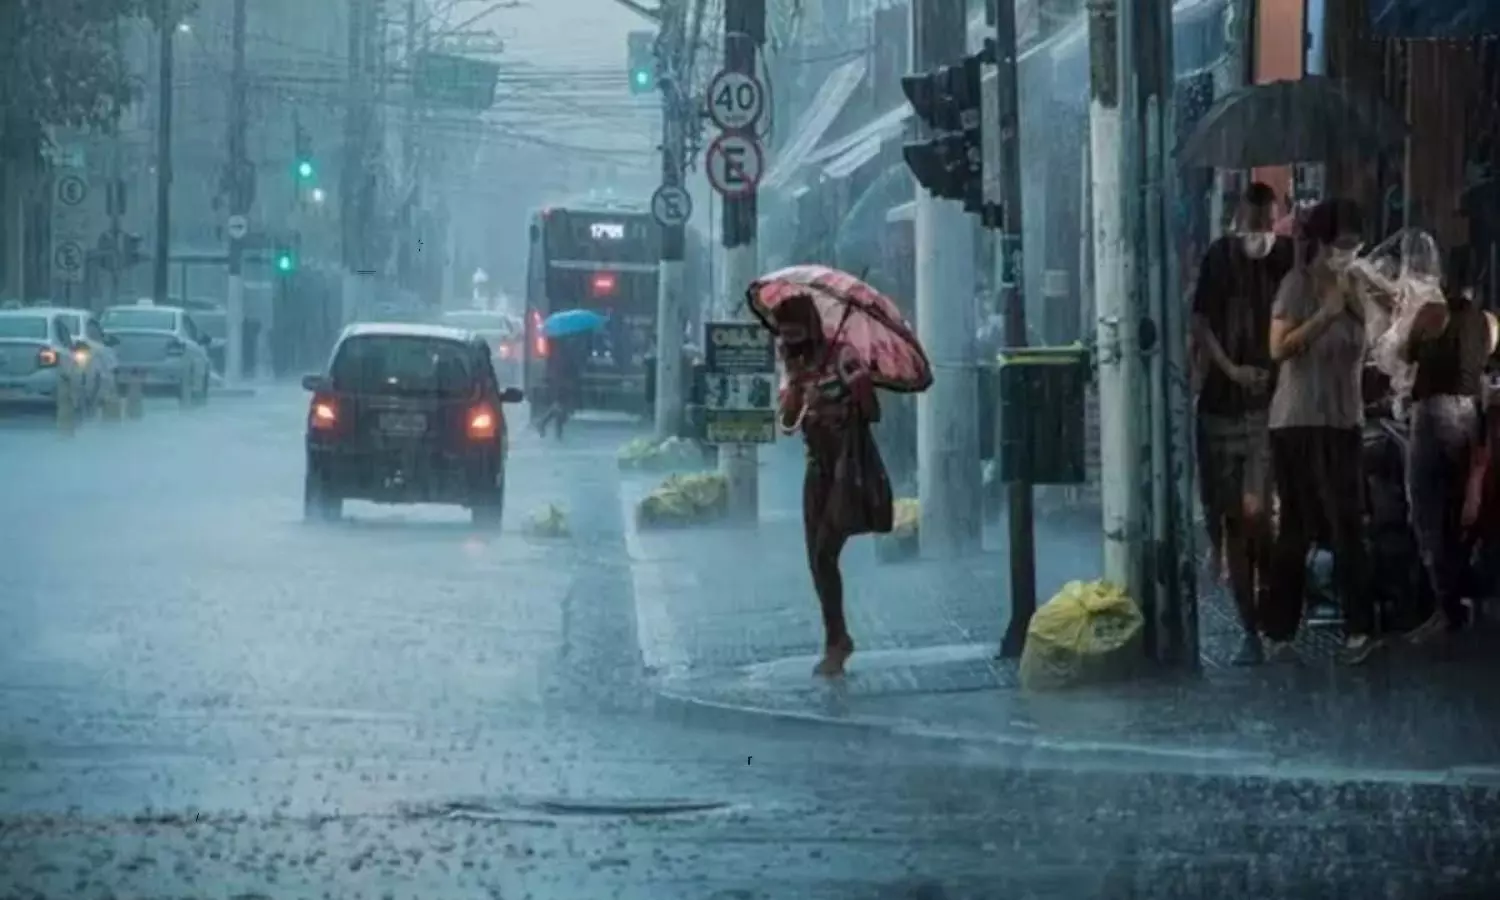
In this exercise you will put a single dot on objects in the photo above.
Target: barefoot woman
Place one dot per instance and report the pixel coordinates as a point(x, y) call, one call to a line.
point(845, 492)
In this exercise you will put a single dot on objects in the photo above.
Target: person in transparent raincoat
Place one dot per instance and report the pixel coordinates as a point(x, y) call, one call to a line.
point(1403, 274)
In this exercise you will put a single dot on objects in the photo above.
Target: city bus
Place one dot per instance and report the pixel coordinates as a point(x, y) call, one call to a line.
point(603, 257)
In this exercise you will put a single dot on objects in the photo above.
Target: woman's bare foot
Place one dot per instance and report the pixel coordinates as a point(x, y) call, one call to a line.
point(834, 657)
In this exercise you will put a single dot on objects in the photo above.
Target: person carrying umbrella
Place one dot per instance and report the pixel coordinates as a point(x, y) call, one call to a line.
point(570, 337)
point(839, 340)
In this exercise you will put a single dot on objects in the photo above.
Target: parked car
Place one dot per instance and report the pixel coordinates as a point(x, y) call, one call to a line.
point(407, 414)
point(501, 332)
point(36, 358)
point(162, 346)
point(95, 353)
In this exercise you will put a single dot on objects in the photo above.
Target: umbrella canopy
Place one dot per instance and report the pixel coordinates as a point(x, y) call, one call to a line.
point(1312, 119)
point(573, 321)
point(854, 315)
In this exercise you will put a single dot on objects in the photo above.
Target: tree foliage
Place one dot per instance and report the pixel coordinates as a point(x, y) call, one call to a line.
point(59, 66)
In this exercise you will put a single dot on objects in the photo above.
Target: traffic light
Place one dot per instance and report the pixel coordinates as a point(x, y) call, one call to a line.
point(303, 167)
point(285, 259)
point(641, 62)
point(949, 163)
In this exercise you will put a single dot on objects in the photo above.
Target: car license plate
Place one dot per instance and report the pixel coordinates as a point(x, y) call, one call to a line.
point(403, 423)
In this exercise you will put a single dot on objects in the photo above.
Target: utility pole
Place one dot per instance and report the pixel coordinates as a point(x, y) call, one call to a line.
point(116, 192)
point(1010, 272)
point(1169, 601)
point(673, 81)
point(161, 273)
point(744, 34)
point(353, 170)
point(1229, 76)
point(1119, 380)
point(948, 468)
point(239, 204)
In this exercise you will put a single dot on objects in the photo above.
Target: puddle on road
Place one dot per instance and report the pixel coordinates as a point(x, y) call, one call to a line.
point(546, 811)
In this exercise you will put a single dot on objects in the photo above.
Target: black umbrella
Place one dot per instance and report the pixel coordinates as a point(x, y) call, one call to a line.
point(1312, 119)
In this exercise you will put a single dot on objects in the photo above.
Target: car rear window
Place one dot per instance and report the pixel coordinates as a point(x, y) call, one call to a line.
point(404, 365)
point(150, 319)
point(30, 327)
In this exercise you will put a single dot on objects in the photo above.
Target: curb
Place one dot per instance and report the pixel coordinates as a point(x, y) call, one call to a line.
point(1038, 752)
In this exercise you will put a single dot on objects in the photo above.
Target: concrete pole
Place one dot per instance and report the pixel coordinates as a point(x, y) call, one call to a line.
point(744, 32)
point(161, 286)
point(669, 315)
point(1118, 349)
point(948, 467)
point(234, 304)
point(356, 283)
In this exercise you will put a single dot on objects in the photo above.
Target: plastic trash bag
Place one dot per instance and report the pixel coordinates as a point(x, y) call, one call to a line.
point(1089, 632)
point(685, 500)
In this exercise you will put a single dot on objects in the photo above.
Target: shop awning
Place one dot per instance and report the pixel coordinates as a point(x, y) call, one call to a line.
point(1434, 18)
point(814, 122)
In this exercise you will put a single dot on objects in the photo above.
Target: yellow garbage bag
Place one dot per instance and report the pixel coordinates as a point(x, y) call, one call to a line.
point(1089, 632)
point(906, 517)
point(685, 500)
point(549, 522)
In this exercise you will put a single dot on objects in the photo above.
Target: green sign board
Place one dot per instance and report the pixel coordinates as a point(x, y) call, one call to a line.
point(447, 80)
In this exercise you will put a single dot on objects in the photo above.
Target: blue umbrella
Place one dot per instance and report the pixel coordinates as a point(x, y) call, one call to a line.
point(573, 321)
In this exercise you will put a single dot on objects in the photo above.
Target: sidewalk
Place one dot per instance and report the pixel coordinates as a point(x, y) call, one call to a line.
point(728, 625)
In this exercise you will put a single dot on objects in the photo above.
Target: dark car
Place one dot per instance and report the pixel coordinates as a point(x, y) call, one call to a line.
point(407, 414)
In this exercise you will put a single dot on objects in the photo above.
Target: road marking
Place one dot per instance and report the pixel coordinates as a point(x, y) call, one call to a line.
point(655, 633)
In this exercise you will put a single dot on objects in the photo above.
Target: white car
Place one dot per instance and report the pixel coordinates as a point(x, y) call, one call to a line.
point(161, 346)
point(36, 358)
point(94, 351)
point(502, 333)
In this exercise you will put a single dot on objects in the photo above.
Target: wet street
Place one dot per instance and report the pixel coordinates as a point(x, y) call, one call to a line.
point(205, 697)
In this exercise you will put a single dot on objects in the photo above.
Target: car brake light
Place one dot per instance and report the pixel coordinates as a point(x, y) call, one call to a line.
point(46, 357)
point(81, 356)
point(504, 350)
point(541, 346)
point(324, 415)
point(482, 423)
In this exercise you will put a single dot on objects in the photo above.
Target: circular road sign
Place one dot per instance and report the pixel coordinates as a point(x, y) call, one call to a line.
point(671, 206)
point(734, 163)
point(68, 257)
point(238, 227)
point(735, 101)
point(72, 190)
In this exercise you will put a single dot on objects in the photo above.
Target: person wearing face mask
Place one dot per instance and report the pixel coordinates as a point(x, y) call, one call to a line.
point(1319, 337)
point(1237, 283)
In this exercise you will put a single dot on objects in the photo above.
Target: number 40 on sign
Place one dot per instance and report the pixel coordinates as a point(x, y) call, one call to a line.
point(735, 101)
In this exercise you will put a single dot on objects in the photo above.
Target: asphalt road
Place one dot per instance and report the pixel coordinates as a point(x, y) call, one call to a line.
point(200, 696)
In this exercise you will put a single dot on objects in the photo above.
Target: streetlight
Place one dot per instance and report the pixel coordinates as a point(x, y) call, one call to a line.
point(184, 28)
point(318, 196)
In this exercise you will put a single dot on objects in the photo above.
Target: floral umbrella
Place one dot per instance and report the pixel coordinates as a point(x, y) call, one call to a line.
point(854, 315)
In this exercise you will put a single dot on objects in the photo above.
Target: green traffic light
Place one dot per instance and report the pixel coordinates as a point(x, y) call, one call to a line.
point(284, 262)
point(304, 169)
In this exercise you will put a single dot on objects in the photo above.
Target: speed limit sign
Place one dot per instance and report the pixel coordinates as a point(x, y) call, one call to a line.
point(735, 100)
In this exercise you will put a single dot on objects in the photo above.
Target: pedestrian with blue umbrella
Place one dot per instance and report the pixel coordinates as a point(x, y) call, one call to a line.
point(569, 334)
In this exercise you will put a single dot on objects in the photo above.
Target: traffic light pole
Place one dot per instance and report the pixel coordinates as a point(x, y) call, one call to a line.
point(354, 171)
point(1011, 273)
point(669, 313)
point(239, 206)
point(161, 285)
point(948, 467)
point(744, 34)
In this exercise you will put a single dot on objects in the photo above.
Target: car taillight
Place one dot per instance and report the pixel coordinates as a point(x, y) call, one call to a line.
point(324, 414)
point(483, 423)
point(46, 357)
point(175, 347)
point(541, 346)
point(503, 350)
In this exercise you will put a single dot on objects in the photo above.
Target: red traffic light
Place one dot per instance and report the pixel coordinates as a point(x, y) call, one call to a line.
point(603, 284)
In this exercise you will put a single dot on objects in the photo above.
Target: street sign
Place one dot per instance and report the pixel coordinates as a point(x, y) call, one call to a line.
point(736, 101)
point(671, 206)
point(67, 261)
point(739, 384)
point(238, 227)
point(734, 163)
point(74, 222)
point(447, 80)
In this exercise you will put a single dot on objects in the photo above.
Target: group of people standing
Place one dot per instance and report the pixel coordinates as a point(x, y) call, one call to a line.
point(1282, 331)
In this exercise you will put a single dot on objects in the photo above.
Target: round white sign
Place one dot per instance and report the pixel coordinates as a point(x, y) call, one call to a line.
point(238, 227)
point(735, 101)
point(68, 257)
point(671, 206)
point(734, 164)
point(72, 190)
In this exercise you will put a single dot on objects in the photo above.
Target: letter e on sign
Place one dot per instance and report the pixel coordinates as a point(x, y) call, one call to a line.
point(735, 164)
